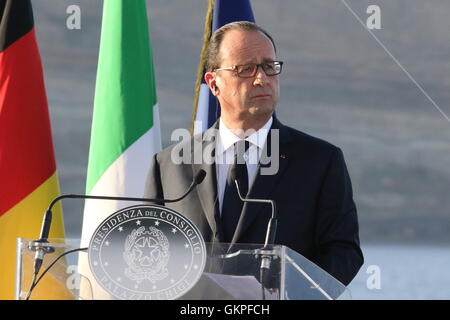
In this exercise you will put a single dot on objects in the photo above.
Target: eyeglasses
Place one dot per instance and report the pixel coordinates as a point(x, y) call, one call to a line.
point(272, 68)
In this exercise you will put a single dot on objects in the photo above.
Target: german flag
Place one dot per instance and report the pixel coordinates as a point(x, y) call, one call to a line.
point(28, 176)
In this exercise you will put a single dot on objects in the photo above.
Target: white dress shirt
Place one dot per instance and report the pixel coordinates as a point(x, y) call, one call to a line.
point(225, 155)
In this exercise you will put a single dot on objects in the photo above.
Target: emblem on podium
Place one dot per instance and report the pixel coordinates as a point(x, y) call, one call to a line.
point(147, 253)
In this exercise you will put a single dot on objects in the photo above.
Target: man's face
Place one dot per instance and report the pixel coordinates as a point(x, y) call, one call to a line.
point(243, 98)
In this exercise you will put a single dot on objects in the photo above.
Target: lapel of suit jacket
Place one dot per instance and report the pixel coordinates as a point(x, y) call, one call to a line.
point(207, 190)
point(264, 184)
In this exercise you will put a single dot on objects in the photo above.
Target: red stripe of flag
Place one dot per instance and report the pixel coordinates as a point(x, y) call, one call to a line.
point(26, 148)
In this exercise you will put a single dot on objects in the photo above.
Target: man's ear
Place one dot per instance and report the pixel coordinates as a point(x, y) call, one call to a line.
point(210, 79)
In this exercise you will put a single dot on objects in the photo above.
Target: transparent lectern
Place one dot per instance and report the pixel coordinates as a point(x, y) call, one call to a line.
point(230, 273)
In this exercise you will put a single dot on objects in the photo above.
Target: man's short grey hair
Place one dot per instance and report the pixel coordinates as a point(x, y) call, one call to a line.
point(212, 54)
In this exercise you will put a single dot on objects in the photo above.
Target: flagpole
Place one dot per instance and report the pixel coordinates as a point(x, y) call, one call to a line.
point(201, 65)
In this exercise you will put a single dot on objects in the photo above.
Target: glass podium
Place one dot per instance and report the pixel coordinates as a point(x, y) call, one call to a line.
point(236, 272)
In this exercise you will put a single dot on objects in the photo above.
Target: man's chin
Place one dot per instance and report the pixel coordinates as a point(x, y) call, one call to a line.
point(261, 111)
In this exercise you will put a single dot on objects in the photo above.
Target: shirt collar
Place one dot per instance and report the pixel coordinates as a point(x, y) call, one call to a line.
point(228, 138)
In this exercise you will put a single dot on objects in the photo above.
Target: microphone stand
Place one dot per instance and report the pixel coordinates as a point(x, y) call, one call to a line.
point(269, 240)
point(41, 249)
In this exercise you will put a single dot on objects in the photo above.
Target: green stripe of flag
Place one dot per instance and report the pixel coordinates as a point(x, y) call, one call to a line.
point(125, 91)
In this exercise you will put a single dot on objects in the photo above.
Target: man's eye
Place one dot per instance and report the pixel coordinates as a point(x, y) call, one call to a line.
point(246, 68)
point(269, 66)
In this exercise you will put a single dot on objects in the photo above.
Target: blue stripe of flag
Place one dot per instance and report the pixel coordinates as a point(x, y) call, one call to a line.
point(225, 11)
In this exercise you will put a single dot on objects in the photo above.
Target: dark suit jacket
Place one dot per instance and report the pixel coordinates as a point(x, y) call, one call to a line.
point(312, 189)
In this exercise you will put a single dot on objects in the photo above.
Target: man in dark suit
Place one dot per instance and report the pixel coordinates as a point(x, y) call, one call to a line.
point(310, 183)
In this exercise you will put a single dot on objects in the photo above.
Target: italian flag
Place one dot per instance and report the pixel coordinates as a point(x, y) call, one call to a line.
point(125, 127)
point(28, 175)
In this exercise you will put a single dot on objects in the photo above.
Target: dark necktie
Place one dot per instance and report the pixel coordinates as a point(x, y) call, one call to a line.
point(232, 204)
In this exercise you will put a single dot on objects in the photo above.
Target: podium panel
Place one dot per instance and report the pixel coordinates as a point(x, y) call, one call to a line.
point(237, 272)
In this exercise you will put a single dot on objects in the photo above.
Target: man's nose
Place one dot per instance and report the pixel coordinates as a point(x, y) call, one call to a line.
point(260, 76)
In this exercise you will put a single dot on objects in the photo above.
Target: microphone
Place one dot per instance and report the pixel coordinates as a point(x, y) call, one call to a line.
point(270, 233)
point(273, 222)
point(47, 220)
point(39, 245)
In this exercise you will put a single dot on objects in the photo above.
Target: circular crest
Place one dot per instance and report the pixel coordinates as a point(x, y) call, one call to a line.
point(147, 253)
